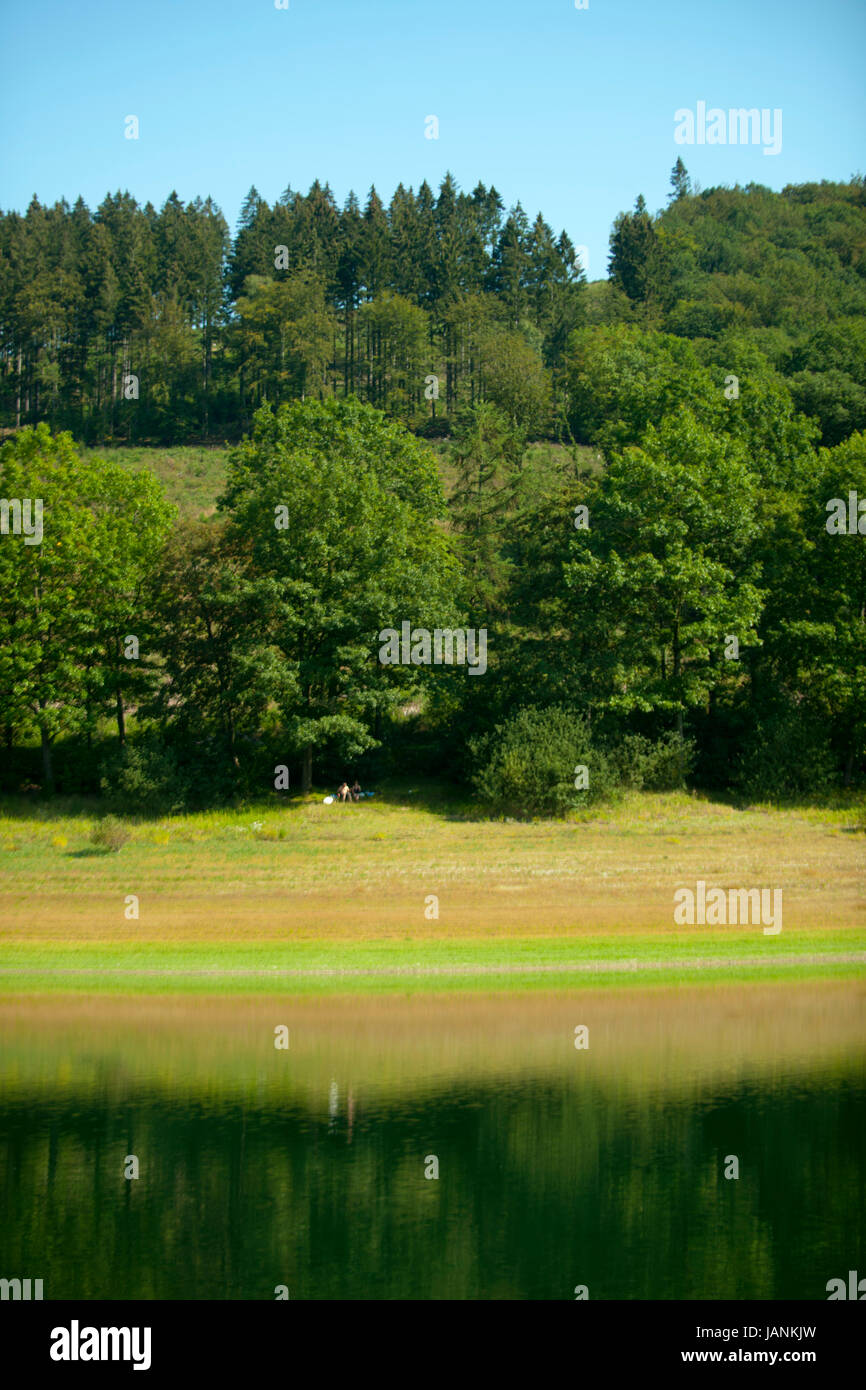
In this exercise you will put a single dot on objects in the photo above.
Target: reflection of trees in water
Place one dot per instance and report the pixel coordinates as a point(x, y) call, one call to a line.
point(540, 1188)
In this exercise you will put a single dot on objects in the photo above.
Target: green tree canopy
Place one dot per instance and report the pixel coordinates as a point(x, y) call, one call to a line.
point(336, 510)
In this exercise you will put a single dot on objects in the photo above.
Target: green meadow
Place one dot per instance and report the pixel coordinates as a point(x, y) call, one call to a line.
point(403, 895)
point(194, 475)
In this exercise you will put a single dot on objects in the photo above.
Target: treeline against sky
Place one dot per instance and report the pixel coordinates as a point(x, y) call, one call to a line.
point(676, 589)
point(307, 300)
point(129, 324)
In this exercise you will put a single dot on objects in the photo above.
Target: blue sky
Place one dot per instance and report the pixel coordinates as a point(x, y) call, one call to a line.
point(570, 111)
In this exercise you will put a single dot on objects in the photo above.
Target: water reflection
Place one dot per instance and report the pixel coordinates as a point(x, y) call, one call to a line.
point(557, 1166)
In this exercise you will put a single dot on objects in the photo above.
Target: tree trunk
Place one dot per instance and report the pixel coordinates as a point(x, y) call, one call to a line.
point(113, 386)
point(47, 762)
point(208, 353)
point(307, 769)
point(9, 740)
point(121, 721)
point(677, 666)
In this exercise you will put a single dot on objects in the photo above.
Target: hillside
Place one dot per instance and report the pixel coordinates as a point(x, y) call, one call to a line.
point(136, 326)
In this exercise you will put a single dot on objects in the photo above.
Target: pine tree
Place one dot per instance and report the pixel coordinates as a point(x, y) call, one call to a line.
point(510, 266)
point(375, 247)
point(631, 248)
point(681, 184)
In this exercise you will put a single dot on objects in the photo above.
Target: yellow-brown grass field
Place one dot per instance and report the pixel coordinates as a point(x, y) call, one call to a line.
point(311, 888)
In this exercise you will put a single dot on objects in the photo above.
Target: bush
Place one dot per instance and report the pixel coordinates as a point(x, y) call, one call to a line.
point(646, 765)
point(109, 834)
point(526, 766)
point(142, 778)
point(786, 757)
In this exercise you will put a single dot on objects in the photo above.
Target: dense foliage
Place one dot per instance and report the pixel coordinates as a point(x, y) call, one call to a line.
point(132, 324)
point(664, 591)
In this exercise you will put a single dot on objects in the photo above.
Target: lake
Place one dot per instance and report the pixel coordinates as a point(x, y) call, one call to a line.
point(558, 1167)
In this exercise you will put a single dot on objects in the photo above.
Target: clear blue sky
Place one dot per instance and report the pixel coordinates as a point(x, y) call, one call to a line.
point(570, 111)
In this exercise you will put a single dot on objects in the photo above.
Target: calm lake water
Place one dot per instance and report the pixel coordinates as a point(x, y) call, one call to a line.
point(557, 1166)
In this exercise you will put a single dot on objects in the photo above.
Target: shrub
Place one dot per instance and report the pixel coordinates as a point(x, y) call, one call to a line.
point(142, 778)
point(109, 834)
point(786, 757)
point(659, 765)
point(526, 766)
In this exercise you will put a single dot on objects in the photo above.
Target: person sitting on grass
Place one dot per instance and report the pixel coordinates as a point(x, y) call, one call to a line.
point(343, 791)
point(356, 791)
